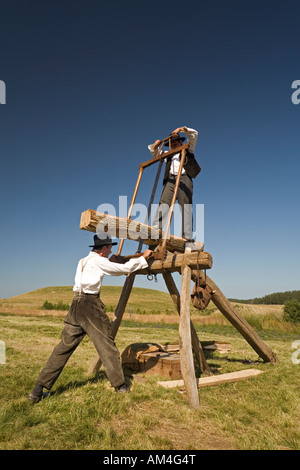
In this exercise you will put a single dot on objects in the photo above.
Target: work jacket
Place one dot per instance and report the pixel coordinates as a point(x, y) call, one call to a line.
point(191, 167)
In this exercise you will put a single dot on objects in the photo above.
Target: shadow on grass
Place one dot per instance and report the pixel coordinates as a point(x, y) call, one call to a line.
point(98, 377)
point(73, 384)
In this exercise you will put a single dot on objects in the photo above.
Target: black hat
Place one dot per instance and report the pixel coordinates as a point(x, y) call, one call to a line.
point(102, 241)
point(173, 139)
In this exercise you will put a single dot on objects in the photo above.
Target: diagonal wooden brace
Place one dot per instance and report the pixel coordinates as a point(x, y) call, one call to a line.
point(243, 327)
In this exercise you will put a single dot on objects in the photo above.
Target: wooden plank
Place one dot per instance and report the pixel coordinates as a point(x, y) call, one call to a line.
point(185, 343)
point(126, 228)
point(172, 205)
point(215, 380)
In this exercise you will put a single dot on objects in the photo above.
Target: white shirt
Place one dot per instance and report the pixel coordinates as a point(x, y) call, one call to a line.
point(92, 268)
point(192, 136)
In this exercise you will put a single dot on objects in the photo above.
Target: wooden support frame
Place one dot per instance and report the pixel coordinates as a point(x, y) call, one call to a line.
point(172, 257)
point(188, 338)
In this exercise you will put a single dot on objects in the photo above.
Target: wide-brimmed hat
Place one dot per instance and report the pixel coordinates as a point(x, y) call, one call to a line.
point(173, 139)
point(102, 241)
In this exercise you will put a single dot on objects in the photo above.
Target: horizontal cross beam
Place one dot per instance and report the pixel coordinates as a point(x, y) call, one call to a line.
point(173, 263)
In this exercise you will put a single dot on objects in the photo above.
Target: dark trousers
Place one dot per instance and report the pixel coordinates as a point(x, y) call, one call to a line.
point(86, 316)
point(185, 200)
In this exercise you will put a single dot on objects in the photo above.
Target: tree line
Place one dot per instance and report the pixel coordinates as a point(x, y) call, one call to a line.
point(277, 298)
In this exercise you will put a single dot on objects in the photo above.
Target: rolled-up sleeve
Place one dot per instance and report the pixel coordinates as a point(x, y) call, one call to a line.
point(192, 136)
point(153, 151)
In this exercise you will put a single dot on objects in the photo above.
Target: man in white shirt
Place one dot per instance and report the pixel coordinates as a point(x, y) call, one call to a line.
point(185, 191)
point(87, 316)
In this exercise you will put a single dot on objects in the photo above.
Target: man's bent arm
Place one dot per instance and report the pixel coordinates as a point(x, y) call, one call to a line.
point(116, 269)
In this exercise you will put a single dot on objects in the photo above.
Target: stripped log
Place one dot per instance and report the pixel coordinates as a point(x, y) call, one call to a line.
point(243, 327)
point(121, 227)
point(173, 263)
point(186, 354)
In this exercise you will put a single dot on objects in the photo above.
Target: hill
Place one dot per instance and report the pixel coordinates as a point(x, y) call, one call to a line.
point(141, 300)
point(146, 305)
point(277, 298)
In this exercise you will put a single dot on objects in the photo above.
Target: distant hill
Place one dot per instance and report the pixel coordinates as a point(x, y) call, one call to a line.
point(277, 298)
point(141, 300)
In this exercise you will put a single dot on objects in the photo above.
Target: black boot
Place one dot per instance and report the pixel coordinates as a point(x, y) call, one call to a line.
point(36, 395)
point(122, 388)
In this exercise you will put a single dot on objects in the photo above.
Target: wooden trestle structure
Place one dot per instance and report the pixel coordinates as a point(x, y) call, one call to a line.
point(172, 254)
point(176, 259)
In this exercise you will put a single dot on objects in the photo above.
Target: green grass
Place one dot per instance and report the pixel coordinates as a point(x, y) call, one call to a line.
point(84, 412)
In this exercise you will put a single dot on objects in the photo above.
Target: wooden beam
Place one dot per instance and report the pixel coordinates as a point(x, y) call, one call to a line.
point(163, 156)
point(239, 322)
point(131, 206)
point(215, 380)
point(185, 345)
point(122, 227)
point(163, 246)
point(173, 263)
point(197, 347)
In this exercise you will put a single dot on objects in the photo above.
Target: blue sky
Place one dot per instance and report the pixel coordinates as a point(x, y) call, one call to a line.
point(89, 84)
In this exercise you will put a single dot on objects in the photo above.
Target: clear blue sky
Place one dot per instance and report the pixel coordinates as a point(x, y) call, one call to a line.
point(89, 84)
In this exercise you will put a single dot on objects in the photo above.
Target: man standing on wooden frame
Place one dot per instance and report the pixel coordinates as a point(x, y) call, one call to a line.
point(185, 191)
point(87, 315)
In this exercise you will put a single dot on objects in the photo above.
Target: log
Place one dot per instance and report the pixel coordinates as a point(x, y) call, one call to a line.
point(215, 380)
point(121, 227)
point(197, 347)
point(173, 263)
point(186, 355)
point(250, 335)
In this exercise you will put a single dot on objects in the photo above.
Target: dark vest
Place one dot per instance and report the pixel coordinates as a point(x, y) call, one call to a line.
point(190, 165)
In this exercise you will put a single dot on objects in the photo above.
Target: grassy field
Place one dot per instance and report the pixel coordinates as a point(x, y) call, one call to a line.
point(144, 305)
point(84, 412)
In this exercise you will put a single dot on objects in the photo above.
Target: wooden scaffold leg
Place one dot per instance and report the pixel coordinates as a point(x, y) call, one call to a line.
point(185, 343)
point(197, 348)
